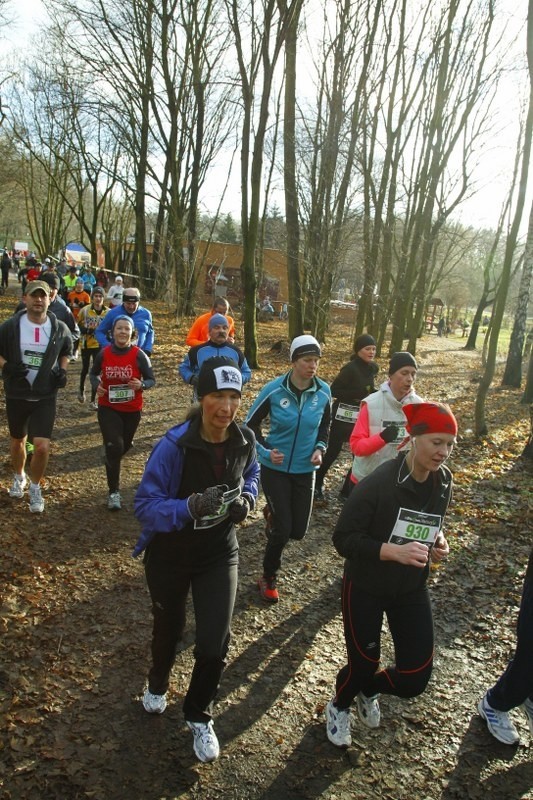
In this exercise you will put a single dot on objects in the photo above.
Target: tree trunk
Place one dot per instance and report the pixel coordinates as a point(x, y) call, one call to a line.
point(513, 368)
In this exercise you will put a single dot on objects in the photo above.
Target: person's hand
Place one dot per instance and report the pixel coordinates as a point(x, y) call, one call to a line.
point(207, 503)
point(316, 458)
point(61, 378)
point(413, 554)
point(14, 370)
point(239, 509)
point(440, 550)
point(194, 381)
point(276, 456)
point(389, 433)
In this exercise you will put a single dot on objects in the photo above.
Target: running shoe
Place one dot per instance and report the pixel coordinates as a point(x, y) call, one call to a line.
point(368, 710)
point(94, 405)
point(267, 589)
point(114, 501)
point(30, 448)
point(338, 725)
point(498, 722)
point(36, 499)
point(205, 742)
point(19, 484)
point(154, 703)
point(81, 397)
point(527, 705)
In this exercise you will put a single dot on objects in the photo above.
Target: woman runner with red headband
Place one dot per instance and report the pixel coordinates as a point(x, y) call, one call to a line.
point(389, 531)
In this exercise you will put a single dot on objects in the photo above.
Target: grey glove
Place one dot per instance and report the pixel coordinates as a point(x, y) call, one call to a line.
point(16, 370)
point(207, 503)
point(389, 433)
point(239, 509)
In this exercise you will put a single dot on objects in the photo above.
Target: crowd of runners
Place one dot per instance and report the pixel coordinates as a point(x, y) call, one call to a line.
point(204, 476)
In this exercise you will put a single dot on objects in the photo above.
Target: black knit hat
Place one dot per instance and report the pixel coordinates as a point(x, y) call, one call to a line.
point(218, 373)
point(365, 340)
point(402, 359)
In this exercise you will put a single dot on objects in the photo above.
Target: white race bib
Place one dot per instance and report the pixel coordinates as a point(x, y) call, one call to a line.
point(415, 526)
point(120, 393)
point(347, 413)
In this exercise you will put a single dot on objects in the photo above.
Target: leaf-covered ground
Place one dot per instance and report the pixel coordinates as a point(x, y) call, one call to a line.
point(75, 625)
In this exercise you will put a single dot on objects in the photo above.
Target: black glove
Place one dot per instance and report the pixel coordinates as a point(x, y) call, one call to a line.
point(16, 370)
point(207, 503)
point(194, 380)
point(239, 509)
point(61, 378)
point(389, 433)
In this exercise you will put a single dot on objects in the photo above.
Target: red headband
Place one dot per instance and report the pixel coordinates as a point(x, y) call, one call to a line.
point(429, 418)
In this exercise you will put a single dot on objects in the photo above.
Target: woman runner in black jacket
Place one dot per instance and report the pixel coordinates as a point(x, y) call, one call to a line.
point(389, 530)
point(354, 382)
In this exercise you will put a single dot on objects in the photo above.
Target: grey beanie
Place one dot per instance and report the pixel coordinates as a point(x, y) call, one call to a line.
point(402, 359)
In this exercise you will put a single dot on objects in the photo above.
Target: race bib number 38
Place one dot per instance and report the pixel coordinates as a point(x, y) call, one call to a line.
point(415, 526)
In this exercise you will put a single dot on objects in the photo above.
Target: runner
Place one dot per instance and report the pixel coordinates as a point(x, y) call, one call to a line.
point(298, 405)
point(88, 320)
point(200, 480)
point(120, 374)
point(199, 331)
point(353, 383)
point(389, 531)
point(34, 352)
point(141, 319)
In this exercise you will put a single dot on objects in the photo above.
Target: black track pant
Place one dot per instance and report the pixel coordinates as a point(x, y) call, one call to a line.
point(516, 683)
point(87, 354)
point(290, 498)
point(169, 577)
point(411, 626)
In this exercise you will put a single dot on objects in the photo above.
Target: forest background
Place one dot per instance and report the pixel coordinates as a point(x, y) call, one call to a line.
point(363, 135)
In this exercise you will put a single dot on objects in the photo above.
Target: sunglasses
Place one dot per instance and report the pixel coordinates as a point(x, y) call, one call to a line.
point(129, 299)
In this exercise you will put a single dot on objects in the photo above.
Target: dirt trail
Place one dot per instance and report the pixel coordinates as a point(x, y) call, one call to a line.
point(75, 627)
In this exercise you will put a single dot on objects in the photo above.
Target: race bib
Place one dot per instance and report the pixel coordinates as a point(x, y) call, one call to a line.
point(346, 413)
point(120, 393)
point(33, 359)
point(415, 526)
point(212, 520)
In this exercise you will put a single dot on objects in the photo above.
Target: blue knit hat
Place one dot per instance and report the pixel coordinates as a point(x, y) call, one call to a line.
point(218, 319)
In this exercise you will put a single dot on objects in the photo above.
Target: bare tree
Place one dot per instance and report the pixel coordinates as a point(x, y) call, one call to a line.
point(263, 29)
point(481, 427)
point(513, 368)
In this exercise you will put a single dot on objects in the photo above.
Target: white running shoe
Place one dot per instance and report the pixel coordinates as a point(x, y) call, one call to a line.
point(36, 499)
point(154, 703)
point(498, 722)
point(19, 484)
point(205, 742)
point(527, 705)
point(338, 725)
point(114, 501)
point(368, 710)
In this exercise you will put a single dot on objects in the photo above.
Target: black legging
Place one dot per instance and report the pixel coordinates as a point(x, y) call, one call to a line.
point(411, 626)
point(170, 574)
point(86, 354)
point(118, 429)
point(290, 498)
